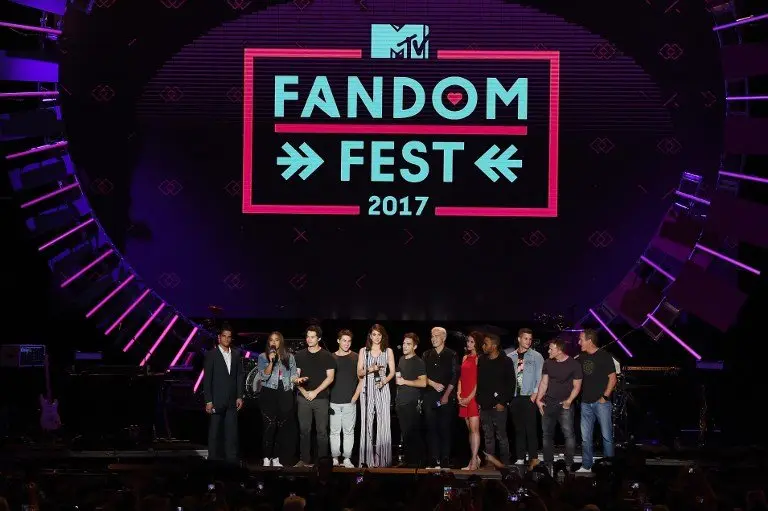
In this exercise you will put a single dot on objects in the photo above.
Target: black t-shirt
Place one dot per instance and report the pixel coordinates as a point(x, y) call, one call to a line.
point(596, 368)
point(409, 369)
point(561, 376)
point(314, 366)
point(345, 381)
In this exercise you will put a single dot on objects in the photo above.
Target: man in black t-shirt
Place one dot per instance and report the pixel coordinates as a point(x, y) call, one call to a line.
point(560, 384)
point(495, 389)
point(439, 397)
point(599, 382)
point(316, 372)
point(411, 377)
point(344, 394)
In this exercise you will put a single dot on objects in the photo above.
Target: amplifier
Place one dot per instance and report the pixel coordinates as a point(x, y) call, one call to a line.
point(22, 355)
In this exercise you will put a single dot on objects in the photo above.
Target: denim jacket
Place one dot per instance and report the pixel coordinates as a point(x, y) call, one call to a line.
point(271, 380)
point(532, 367)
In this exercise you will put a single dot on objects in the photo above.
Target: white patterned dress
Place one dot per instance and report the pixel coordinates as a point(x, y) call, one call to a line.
point(375, 427)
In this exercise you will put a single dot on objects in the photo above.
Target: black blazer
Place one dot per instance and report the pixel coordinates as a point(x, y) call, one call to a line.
point(220, 387)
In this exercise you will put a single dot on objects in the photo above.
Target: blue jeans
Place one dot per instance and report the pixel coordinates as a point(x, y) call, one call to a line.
point(590, 412)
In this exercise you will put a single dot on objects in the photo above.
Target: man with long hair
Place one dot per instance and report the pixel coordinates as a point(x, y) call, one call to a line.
point(223, 391)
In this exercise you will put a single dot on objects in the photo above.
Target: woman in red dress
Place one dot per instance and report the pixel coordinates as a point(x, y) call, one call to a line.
point(468, 409)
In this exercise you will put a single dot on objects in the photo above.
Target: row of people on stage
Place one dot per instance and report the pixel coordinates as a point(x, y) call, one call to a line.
point(334, 390)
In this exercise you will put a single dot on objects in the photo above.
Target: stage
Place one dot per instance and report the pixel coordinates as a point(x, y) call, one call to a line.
point(185, 457)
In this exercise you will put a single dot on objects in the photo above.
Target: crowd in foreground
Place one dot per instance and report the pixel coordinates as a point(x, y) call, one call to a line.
point(630, 486)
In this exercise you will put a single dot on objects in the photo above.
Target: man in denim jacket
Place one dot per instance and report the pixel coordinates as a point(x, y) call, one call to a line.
point(528, 365)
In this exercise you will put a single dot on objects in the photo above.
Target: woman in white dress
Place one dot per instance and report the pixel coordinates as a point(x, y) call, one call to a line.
point(376, 365)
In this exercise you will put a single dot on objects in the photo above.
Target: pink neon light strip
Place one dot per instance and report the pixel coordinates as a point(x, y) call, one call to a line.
point(303, 53)
point(30, 28)
point(50, 195)
point(554, 127)
point(110, 296)
point(610, 332)
point(249, 55)
point(183, 347)
point(746, 98)
point(657, 267)
point(299, 209)
point(494, 211)
point(399, 129)
point(39, 149)
point(127, 311)
point(675, 337)
point(35, 94)
point(727, 259)
point(159, 340)
point(745, 177)
point(86, 268)
point(144, 326)
point(62, 236)
point(198, 382)
point(739, 22)
point(692, 197)
point(189, 359)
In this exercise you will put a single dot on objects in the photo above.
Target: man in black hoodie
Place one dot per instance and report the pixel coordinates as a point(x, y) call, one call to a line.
point(495, 388)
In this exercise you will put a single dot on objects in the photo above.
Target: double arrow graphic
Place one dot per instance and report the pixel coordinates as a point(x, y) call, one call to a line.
point(492, 163)
point(310, 161)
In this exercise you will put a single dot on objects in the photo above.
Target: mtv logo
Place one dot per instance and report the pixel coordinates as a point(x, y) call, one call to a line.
point(399, 41)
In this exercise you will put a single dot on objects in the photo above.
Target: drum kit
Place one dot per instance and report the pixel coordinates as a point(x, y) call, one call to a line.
point(252, 381)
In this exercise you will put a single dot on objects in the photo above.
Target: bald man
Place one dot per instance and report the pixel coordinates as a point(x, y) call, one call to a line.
point(439, 397)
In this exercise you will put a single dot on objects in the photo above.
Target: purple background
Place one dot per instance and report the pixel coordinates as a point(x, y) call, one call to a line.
point(623, 145)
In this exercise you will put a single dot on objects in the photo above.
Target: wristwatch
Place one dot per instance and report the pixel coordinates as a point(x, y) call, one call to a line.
point(606, 397)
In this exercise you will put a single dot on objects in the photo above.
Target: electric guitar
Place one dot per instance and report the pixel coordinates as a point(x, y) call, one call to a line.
point(49, 407)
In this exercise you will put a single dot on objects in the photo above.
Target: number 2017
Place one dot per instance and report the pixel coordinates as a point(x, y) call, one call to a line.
point(392, 206)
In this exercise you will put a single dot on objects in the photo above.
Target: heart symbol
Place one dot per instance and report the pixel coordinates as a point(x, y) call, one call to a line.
point(455, 97)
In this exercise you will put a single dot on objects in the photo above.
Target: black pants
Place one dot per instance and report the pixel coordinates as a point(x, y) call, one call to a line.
point(439, 425)
point(276, 411)
point(222, 429)
point(307, 410)
point(494, 424)
point(524, 419)
point(410, 427)
point(555, 413)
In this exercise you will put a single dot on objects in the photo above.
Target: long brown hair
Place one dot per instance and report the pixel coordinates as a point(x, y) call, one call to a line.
point(282, 353)
point(384, 337)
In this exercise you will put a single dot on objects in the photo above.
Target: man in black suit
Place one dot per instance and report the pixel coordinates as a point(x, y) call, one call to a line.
point(223, 388)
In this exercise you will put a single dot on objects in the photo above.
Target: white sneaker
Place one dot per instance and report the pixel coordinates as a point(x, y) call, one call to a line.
point(348, 463)
point(520, 462)
point(267, 462)
point(276, 462)
point(583, 470)
point(335, 462)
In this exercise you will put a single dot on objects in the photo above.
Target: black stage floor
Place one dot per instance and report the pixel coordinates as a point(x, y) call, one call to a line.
point(185, 456)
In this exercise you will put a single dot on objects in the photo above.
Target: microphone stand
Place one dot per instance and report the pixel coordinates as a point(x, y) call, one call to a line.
point(364, 443)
